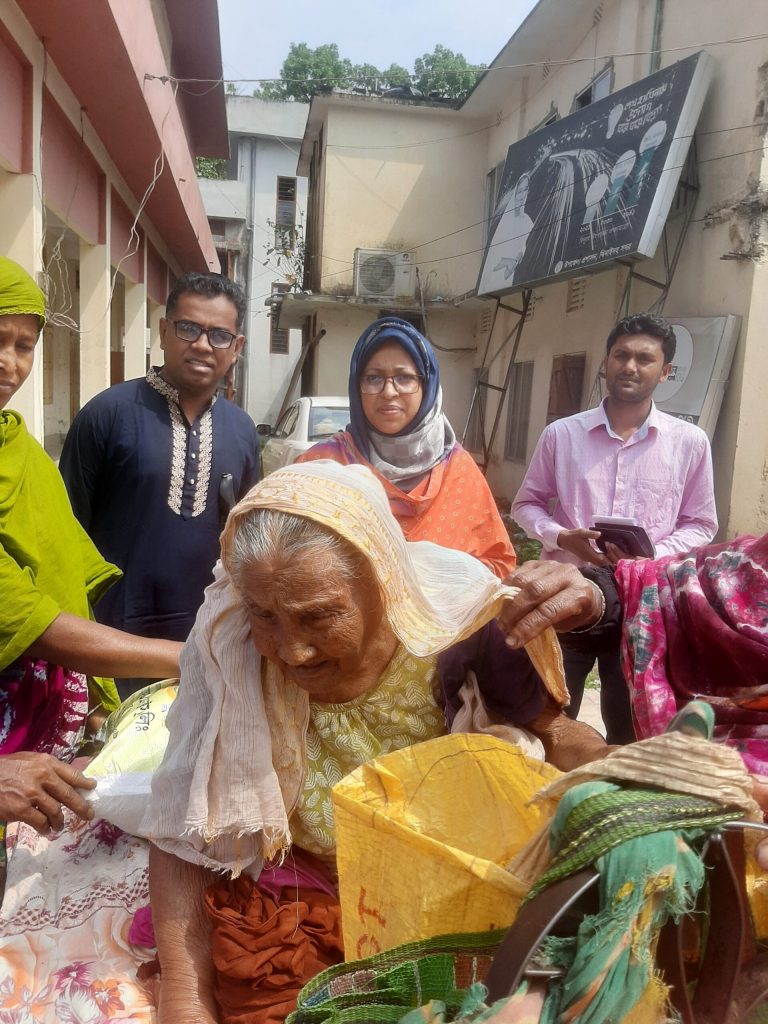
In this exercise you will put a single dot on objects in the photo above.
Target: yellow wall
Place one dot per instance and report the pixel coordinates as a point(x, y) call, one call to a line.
point(398, 176)
point(704, 283)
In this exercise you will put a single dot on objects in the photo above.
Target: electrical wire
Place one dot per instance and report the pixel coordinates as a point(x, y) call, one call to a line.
point(577, 211)
point(479, 71)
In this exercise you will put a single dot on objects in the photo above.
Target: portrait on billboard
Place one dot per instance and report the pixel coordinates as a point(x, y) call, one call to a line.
point(595, 186)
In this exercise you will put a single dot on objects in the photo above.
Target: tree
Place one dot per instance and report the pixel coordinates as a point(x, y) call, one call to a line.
point(210, 167)
point(285, 256)
point(395, 75)
point(366, 76)
point(305, 71)
point(445, 73)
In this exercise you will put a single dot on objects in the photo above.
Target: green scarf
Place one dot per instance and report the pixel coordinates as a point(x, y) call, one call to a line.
point(18, 292)
point(48, 564)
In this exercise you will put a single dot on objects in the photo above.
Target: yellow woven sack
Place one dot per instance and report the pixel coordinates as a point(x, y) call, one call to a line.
point(422, 835)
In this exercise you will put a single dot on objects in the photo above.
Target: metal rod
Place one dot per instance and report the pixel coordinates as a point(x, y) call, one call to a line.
point(518, 332)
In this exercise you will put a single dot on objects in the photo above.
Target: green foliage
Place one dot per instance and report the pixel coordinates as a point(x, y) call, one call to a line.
point(395, 75)
point(526, 548)
point(445, 73)
point(208, 167)
point(306, 71)
point(285, 255)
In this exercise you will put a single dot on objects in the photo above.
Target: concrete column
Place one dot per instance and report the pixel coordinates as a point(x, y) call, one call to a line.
point(95, 283)
point(135, 330)
point(21, 232)
point(156, 313)
point(747, 505)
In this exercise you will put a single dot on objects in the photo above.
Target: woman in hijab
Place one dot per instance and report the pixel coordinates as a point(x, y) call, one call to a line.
point(50, 575)
point(435, 489)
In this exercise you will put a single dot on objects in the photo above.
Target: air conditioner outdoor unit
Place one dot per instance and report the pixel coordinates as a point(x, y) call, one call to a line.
point(384, 274)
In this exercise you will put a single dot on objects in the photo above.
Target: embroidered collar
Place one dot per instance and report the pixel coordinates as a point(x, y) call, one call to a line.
point(180, 454)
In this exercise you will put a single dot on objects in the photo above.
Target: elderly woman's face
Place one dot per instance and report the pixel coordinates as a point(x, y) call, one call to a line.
point(327, 632)
point(18, 336)
point(391, 411)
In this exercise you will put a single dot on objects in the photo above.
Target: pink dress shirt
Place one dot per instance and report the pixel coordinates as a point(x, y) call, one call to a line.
point(661, 476)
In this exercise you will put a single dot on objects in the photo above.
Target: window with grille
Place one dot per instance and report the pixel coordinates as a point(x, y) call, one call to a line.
point(519, 412)
point(473, 440)
point(577, 293)
point(279, 337)
point(566, 385)
point(285, 213)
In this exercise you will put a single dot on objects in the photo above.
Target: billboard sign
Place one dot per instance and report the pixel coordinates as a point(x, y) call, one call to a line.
point(597, 185)
point(695, 388)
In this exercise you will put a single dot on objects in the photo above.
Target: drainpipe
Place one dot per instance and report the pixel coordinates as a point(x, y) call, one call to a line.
point(658, 20)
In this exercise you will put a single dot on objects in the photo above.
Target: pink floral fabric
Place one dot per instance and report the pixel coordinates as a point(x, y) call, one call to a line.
point(65, 952)
point(44, 708)
point(696, 626)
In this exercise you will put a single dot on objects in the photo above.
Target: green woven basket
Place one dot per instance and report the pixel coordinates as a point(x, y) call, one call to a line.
point(383, 988)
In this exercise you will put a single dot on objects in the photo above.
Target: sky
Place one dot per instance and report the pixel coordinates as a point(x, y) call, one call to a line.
point(255, 36)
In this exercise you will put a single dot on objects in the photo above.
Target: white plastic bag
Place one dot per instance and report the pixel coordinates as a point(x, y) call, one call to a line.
point(135, 745)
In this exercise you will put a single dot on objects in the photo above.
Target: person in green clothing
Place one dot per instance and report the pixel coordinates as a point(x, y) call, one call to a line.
point(52, 654)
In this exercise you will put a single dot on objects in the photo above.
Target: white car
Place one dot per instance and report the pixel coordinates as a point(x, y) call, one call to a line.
point(304, 423)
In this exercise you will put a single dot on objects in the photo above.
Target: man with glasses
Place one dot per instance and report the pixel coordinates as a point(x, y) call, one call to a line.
point(153, 465)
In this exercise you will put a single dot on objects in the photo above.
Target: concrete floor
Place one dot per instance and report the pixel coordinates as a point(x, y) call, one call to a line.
point(590, 710)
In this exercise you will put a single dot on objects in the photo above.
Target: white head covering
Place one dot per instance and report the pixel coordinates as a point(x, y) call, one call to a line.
point(234, 767)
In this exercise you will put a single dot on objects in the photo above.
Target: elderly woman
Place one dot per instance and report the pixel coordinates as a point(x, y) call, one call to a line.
point(398, 430)
point(315, 651)
point(51, 653)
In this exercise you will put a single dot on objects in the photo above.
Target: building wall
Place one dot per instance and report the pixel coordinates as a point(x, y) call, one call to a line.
point(264, 144)
point(269, 373)
point(60, 190)
point(704, 283)
point(449, 329)
point(401, 177)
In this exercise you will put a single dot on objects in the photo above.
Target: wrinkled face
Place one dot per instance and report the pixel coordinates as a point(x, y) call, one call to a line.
point(634, 367)
point(18, 337)
point(390, 412)
point(325, 631)
point(196, 367)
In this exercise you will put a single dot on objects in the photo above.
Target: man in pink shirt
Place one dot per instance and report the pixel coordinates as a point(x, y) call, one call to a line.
point(625, 458)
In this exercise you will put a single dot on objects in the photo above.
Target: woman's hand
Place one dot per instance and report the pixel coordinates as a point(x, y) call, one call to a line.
point(34, 788)
point(551, 594)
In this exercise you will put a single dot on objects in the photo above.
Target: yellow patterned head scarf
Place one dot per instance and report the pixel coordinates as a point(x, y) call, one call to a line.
point(18, 292)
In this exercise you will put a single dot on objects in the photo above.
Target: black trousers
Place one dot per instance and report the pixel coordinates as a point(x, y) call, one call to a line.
point(615, 704)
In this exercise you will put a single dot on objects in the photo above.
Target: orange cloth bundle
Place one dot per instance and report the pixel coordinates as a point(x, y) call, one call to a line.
point(264, 951)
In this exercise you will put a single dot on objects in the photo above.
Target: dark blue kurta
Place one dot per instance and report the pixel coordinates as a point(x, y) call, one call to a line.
point(152, 491)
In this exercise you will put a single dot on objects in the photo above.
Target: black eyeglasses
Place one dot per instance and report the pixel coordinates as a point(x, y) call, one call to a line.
point(403, 383)
point(188, 330)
